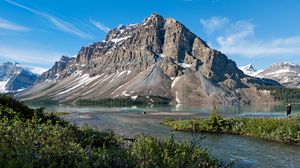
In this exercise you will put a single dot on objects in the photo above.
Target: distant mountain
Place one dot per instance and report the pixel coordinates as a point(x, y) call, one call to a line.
point(249, 70)
point(14, 78)
point(159, 57)
point(286, 73)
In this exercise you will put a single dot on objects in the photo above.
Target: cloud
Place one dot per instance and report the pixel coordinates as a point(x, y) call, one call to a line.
point(67, 27)
point(214, 23)
point(239, 38)
point(35, 69)
point(5, 24)
point(238, 32)
point(100, 26)
point(29, 56)
point(244, 47)
point(57, 22)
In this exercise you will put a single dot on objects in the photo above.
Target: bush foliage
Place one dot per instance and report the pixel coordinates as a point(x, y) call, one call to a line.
point(285, 130)
point(32, 138)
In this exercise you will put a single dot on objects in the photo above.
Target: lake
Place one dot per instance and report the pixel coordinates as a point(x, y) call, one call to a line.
point(244, 151)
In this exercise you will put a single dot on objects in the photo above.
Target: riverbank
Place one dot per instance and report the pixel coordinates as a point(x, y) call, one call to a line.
point(244, 151)
point(33, 138)
point(279, 129)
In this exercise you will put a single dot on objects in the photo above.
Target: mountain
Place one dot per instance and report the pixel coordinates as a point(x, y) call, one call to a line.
point(159, 57)
point(14, 78)
point(285, 73)
point(249, 70)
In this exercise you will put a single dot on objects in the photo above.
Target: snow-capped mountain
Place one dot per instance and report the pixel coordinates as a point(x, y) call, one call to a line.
point(159, 57)
point(14, 78)
point(287, 74)
point(250, 70)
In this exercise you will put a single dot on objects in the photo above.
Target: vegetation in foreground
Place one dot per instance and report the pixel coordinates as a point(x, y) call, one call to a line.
point(284, 130)
point(32, 138)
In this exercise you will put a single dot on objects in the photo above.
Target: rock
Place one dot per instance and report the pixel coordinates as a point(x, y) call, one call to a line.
point(159, 57)
point(57, 69)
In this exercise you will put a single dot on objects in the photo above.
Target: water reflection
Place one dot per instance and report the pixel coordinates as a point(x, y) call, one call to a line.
point(232, 110)
point(244, 151)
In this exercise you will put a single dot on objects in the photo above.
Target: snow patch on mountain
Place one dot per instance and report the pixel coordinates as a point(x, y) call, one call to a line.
point(81, 81)
point(3, 86)
point(277, 73)
point(121, 39)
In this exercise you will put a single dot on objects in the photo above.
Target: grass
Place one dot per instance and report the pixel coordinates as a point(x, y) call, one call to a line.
point(33, 138)
point(283, 130)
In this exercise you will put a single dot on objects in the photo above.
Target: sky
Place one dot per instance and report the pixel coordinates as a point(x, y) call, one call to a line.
point(36, 33)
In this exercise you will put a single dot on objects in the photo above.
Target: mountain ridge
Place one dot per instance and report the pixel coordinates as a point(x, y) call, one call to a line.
point(159, 57)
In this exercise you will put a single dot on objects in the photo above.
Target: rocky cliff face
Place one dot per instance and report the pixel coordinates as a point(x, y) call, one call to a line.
point(159, 57)
point(14, 78)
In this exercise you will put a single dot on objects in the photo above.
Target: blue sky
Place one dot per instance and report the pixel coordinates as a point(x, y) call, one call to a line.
point(261, 32)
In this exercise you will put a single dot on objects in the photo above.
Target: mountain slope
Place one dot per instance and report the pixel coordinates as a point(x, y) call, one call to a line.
point(159, 57)
point(14, 78)
point(286, 73)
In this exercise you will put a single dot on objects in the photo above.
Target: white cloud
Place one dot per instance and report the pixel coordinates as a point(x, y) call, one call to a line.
point(244, 47)
point(66, 27)
point(238, 33)
point(57, 22)
point(239, 38)
point(214, 23)
point(100, 26)
point(5, 24)
point(36, 70)
point(29, 56)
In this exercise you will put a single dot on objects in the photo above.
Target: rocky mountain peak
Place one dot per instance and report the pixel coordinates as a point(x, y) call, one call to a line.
point(64, 59)
point(250, 67)
point(57, 68)
point(13, 77)
point(284, 65)
point(148, 59)
point(7, 69)
point(10, 64)
point(154, 19)
point(155, 38)
point(249, 70)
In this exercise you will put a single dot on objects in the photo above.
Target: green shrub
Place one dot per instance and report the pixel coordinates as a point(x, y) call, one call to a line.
point(150, 152)
point(216, 123)
point(36, 139)
point(286, 130)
